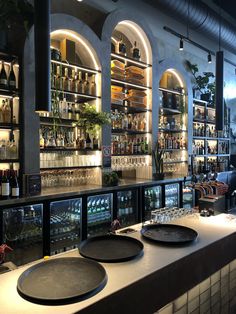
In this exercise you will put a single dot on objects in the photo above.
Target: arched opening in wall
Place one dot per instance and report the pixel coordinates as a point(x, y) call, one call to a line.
point(131, 100)
point(70, 151)
point(173, 124)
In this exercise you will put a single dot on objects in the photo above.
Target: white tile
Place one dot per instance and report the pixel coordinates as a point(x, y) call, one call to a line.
point(205, 296)
point(193, 304)
point(225, 280)
point(216, 308)
point(204, 307)
point(215, 277)
point(215, 298)
point(232, 274)
point(168, 309)
point(232, 265)
point(215, 288)
point(224, 271)
point(224, 290)
point(180, 302)
point(193, 293)
point(224, 309)
point(232, 284)
point(204, 285)
point(183, 310)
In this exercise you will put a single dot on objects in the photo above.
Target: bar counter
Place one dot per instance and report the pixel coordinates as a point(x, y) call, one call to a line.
point(148, 282)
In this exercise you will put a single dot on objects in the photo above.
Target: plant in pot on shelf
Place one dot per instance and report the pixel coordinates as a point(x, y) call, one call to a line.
point(110, 178)
point(158, 156)
point(202, 82)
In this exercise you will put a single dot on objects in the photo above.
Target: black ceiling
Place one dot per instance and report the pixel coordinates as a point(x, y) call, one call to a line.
point(228, 6)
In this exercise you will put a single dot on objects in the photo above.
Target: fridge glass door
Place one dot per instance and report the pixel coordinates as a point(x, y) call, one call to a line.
point(152, 200)
point(127, 208)
point(99, 211)
point(65, 225)
point(188, 196)
point(172, 195)
point(22, 231)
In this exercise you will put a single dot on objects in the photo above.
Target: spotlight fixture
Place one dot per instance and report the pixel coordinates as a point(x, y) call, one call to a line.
point(181, 44)
point(209, 57)
point(79, 0)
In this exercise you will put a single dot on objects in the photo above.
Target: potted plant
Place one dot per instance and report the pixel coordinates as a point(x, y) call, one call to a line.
point(158, 156)
point(110, 178)
point(202, 82)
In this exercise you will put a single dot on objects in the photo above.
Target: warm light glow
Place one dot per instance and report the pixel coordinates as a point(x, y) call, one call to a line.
point(113, 39)
point(75, 67)
point(130, 84)
point(129, 60)
point(177, 77)
point(6, 96)
point(81, 41)
point(77, 94)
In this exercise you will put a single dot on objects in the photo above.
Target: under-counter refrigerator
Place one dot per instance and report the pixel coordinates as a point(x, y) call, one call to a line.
point(172, 197)
point(152, 200)
point(21, 228)
point(126, 203)
point(65, 218)
point(99, 214)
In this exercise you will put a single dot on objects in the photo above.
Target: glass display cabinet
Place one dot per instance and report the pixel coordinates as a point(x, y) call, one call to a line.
point(127, 212)
point(188, 195)
point(22, 231)
point(152, 200)
point(172, 195)
point(65, 225)
point(99, 211)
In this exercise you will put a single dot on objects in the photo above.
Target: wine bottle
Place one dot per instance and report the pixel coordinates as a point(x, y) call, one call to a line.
point(12, 79)
point(3, 78)
point(93, 86)
point(136, 52)
point(67, 81)
point(88, 141)
point(80, 84)
point(5, 185)
point(122, 47)
point(86, 85)
point(15, 191)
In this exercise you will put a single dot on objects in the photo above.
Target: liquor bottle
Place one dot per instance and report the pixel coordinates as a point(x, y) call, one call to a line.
point(80, 83)
point(59, 79)
point(74, 85)
point(15, 191)
point(122, 47)
point(5, 185)
point(93, 86)
point(66, 81)
point(3, 78)
point(136, 52)
point(95, 142)
point(41, 139)
point(88, 141)
point(1, 111)
point(7, 112)
point(86, 85)
point(12, 79)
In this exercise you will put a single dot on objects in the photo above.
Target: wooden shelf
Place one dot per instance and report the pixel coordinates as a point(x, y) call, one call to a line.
point(76, 66)
point(170, 111)
point(130, 60)
point(129, 109)
point(169, 130)
point(125, 83)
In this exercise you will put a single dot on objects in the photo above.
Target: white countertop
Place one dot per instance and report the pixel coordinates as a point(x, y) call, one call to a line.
point(121, 275)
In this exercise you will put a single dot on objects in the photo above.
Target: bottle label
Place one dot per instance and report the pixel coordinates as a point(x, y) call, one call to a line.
point(3, 81)
point(15, 192)
point(12, 83)
point(5, 189)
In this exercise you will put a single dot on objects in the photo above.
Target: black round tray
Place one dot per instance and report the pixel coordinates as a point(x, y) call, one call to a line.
point(61, 281)
point(169, 234)
point(111, 248)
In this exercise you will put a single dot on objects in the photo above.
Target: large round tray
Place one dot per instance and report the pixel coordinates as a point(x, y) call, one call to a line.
point(61, 281)
point(169, 234)
point(111, 248)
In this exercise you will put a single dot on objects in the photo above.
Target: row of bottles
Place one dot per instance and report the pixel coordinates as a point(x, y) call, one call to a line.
point(99, 208)
point(9, 184)
point(198, 148)
point(122, 145)
point(7, 82)
point(125, 203)
point(223, 147)
point(71, 81)
point(134, 122)
point(8, 149)
point(152, 198)
point(170, 123)
point(167, 141)
point(200, 130)
point(65, 137)
point(121, 48)
point(66, 110)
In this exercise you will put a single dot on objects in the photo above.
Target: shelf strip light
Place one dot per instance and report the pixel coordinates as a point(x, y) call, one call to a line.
point(76, 67)
point(170, 90)
point(130, 84)
point(76, 94)
point(130, 60)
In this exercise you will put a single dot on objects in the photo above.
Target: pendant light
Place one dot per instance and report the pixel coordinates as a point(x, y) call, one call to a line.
point(42, 55)
point(219, 92)
point(181, 44)
point(209, 60)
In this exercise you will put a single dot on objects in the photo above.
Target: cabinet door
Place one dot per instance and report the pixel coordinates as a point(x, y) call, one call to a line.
point(152, 200)
point(188, 196)
point(65, 225)
point(99, 211)
point(22, 231)
point(127, 208)
point(172, 195)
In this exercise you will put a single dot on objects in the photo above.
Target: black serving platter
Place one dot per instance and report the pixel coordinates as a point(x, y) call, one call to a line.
point(111, 248)
point(61, 281)
point(169, 234)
